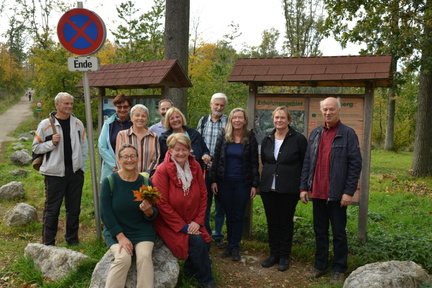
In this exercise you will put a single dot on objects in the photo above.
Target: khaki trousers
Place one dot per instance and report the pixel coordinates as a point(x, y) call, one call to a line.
point(122, 261)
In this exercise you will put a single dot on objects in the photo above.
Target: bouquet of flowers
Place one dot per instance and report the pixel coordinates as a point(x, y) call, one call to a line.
point(149, 193)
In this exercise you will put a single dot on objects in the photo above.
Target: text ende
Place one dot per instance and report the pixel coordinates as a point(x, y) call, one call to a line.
point(86, 64)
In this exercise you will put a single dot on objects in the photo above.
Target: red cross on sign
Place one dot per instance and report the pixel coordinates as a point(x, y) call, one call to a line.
point(81, 31)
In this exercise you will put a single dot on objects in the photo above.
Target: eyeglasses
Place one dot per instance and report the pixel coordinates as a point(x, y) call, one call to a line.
point(126, 157)
point(122, 107)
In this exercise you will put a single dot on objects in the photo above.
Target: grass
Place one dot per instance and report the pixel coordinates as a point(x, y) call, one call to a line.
point(399, 223)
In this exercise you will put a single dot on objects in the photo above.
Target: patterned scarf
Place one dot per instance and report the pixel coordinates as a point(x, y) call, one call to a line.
point(184, 175)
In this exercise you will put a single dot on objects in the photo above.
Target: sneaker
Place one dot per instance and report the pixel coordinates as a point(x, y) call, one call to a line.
point(226, 253)
point(235, 255)
point(270, 261)
point(220, 243)
point(283, 264)
point(337, 277)
point(315, 273)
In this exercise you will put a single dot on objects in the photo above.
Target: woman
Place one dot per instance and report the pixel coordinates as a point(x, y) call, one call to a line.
point(182, 208)
point(108, 136)
point(144, 140)
point(282, 154)
point(128, 223)
point(235, 176)
point(175, 122)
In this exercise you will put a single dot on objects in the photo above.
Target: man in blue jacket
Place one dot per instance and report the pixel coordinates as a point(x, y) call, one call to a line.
point(330, 175)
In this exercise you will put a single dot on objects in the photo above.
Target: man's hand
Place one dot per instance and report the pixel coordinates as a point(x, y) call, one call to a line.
point(304, 197)
point(346, 200)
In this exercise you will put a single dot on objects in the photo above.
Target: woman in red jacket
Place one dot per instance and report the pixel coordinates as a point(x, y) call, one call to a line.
point(182, 208)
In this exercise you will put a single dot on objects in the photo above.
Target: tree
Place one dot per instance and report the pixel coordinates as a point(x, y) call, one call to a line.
point(303, 21)
point(176, 41)
point(421, 165)
point(386, 27)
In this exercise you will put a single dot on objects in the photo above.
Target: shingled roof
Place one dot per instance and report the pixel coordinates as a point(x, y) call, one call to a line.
point(335, 71)
point(152, 74)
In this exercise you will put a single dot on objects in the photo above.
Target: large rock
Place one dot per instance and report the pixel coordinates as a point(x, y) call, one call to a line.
point(21, 214)
point(54, 262)
point(25, 137)
point(12, 191)
point(18, 172)
point(21, 158)
point(166, 269)
point(391, 274)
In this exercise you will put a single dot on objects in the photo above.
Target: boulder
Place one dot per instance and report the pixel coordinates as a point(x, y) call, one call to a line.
point(54, 262)
point(12, 191)
point(21, 158)
point(17, 146)
point(391, 274)
point(21, 214)
point(25, 137)
point(166, 268)
point(18, 172)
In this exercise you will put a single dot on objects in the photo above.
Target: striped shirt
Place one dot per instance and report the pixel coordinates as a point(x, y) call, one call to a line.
point(148, 148)
point(210, 130)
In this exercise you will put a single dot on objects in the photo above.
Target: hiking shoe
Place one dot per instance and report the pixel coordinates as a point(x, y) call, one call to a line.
point(226, 253)
point(270, 261)
point(337, 277)
point(315, 273)
point(235, 255)
point(283, 264)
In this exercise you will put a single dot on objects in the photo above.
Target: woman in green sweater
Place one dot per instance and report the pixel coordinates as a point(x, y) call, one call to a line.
point(128, 224)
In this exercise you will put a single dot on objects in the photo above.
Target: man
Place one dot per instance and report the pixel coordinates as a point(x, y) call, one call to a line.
point(163, 105)
point(331, 171)
point(63, 167)
point(209, 127)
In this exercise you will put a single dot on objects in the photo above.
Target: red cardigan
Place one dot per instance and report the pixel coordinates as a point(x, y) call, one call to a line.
point(177, 210)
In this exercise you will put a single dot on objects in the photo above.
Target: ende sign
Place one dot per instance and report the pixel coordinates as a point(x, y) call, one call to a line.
point(85, 63)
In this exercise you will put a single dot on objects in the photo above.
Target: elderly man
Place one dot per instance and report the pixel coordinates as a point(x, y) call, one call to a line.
point(163, 107)
point(63, 166)
point(330, 175)
point(209, 127)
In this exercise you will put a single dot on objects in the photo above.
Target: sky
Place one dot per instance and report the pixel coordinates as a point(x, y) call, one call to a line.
point(215, 16)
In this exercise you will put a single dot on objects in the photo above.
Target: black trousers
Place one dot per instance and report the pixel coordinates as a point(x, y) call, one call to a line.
point(279, 209)
point(68, 187)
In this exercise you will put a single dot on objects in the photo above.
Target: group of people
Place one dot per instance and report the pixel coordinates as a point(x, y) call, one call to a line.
point(192, 167)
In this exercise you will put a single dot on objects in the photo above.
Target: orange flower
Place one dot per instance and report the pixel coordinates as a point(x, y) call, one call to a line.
point(149, 193)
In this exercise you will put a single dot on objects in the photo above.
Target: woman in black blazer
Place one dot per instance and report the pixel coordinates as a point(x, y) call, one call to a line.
point(282, 154)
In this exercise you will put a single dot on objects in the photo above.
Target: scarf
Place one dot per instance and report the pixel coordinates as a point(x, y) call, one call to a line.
point(184, 175)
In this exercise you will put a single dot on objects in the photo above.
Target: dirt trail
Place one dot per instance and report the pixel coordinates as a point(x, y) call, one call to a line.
point(13, 117)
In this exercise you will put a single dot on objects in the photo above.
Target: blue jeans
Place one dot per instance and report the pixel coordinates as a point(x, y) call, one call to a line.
point(198, 262)
point(234, 196)
point(324, 213)
point(219, 216)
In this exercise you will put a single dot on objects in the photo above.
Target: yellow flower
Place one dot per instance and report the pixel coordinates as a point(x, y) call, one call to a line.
point(149, 193)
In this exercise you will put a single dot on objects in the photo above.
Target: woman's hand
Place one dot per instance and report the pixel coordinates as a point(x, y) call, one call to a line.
point(304, 197)
point(124, 243)
point(253, 192)
point(146, 207)
point(194, 228)
point(206, 158)
point(214, 188)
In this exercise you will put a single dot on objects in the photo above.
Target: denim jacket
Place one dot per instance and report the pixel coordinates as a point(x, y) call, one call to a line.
point(345, 163)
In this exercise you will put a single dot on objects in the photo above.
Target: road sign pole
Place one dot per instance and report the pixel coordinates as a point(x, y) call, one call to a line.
point(92, 154)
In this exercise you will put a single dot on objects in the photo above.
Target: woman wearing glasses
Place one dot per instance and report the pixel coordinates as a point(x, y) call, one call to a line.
point(128, 224)
point(108, 136)
point(145, 141)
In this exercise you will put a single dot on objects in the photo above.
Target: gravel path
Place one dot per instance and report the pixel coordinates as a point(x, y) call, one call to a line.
point(11, 119)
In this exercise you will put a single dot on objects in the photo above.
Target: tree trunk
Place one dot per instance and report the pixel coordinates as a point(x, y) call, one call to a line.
point(422, 157)
point(391, 107)
point(176, 40)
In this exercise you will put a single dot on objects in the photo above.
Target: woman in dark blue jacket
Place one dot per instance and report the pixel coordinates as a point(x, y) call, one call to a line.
point(282, 154)
point(175, 122)
point(236, 149)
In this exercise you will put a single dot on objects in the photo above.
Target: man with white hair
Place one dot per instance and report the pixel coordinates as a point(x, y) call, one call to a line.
point(65, 153)
point(209, 127)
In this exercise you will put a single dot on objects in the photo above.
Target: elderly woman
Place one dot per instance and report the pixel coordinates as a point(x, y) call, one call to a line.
point(282, 154)
point(128, 223)
point(108, 136)
point(182, 209)
point(145, 141)
point(235, 176)
point(175, 122)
